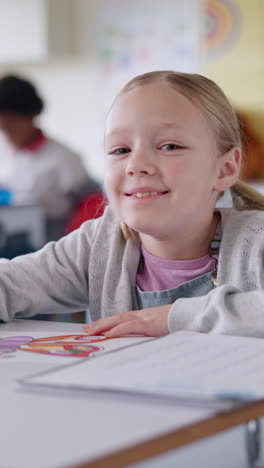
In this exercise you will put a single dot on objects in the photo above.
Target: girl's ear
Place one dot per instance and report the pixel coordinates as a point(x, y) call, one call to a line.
point(228, 169)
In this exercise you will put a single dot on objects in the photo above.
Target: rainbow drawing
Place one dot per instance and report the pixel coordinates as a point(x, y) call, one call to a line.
point(80, 346)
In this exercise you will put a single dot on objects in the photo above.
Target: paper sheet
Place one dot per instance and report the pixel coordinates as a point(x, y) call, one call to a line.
point(56, 348)
point(188, 365)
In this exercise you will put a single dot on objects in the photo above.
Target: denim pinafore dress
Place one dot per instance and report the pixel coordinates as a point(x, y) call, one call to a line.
point(196, 287)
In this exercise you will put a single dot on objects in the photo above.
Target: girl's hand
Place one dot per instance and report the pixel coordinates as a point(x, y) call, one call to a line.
point(150, 322)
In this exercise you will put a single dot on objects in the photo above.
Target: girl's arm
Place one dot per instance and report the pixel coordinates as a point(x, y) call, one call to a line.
point(52, 280)
point(225, 310)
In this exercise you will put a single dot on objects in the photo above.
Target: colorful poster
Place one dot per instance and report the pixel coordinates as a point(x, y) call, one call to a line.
point(145, 36)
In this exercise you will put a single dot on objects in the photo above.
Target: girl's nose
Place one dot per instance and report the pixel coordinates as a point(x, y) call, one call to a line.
point(140, 164)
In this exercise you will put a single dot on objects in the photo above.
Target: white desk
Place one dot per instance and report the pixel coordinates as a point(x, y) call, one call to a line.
point(29, 219)
point(46, 431)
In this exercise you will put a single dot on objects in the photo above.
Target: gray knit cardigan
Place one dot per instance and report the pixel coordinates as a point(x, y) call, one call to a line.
point(95, 267)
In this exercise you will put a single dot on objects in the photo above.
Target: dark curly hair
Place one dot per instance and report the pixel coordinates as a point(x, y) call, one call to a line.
point(19, 96)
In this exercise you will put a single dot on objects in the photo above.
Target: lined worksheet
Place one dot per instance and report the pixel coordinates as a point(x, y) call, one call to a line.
point(183, 365)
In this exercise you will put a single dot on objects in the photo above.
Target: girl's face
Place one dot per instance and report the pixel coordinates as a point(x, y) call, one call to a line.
point(162, 162)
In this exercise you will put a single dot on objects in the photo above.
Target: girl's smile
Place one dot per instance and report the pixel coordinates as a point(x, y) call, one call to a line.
point(145, 193)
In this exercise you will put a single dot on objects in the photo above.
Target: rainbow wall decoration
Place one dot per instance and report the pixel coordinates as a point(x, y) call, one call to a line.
point(222, 27)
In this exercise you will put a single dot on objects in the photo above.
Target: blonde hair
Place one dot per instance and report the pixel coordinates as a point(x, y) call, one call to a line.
point(221, 117)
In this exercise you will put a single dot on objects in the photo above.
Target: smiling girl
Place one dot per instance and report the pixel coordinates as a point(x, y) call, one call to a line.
point(161, 258)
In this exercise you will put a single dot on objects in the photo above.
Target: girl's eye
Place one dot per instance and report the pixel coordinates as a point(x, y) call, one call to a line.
point(170, 147)
point(120, 151)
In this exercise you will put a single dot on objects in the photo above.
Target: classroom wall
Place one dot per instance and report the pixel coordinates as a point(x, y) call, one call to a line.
point(67, 78)
point(240, 70)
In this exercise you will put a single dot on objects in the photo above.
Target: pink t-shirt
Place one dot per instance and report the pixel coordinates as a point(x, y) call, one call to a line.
point(157, 274)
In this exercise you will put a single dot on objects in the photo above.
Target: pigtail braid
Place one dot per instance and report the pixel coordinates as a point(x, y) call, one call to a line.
point(245, 197)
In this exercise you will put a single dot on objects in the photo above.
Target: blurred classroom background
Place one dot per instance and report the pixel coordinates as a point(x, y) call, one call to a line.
point(80, 53)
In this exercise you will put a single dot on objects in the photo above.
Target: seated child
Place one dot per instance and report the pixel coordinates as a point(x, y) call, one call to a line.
point(162, 258)
point(35, 168)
